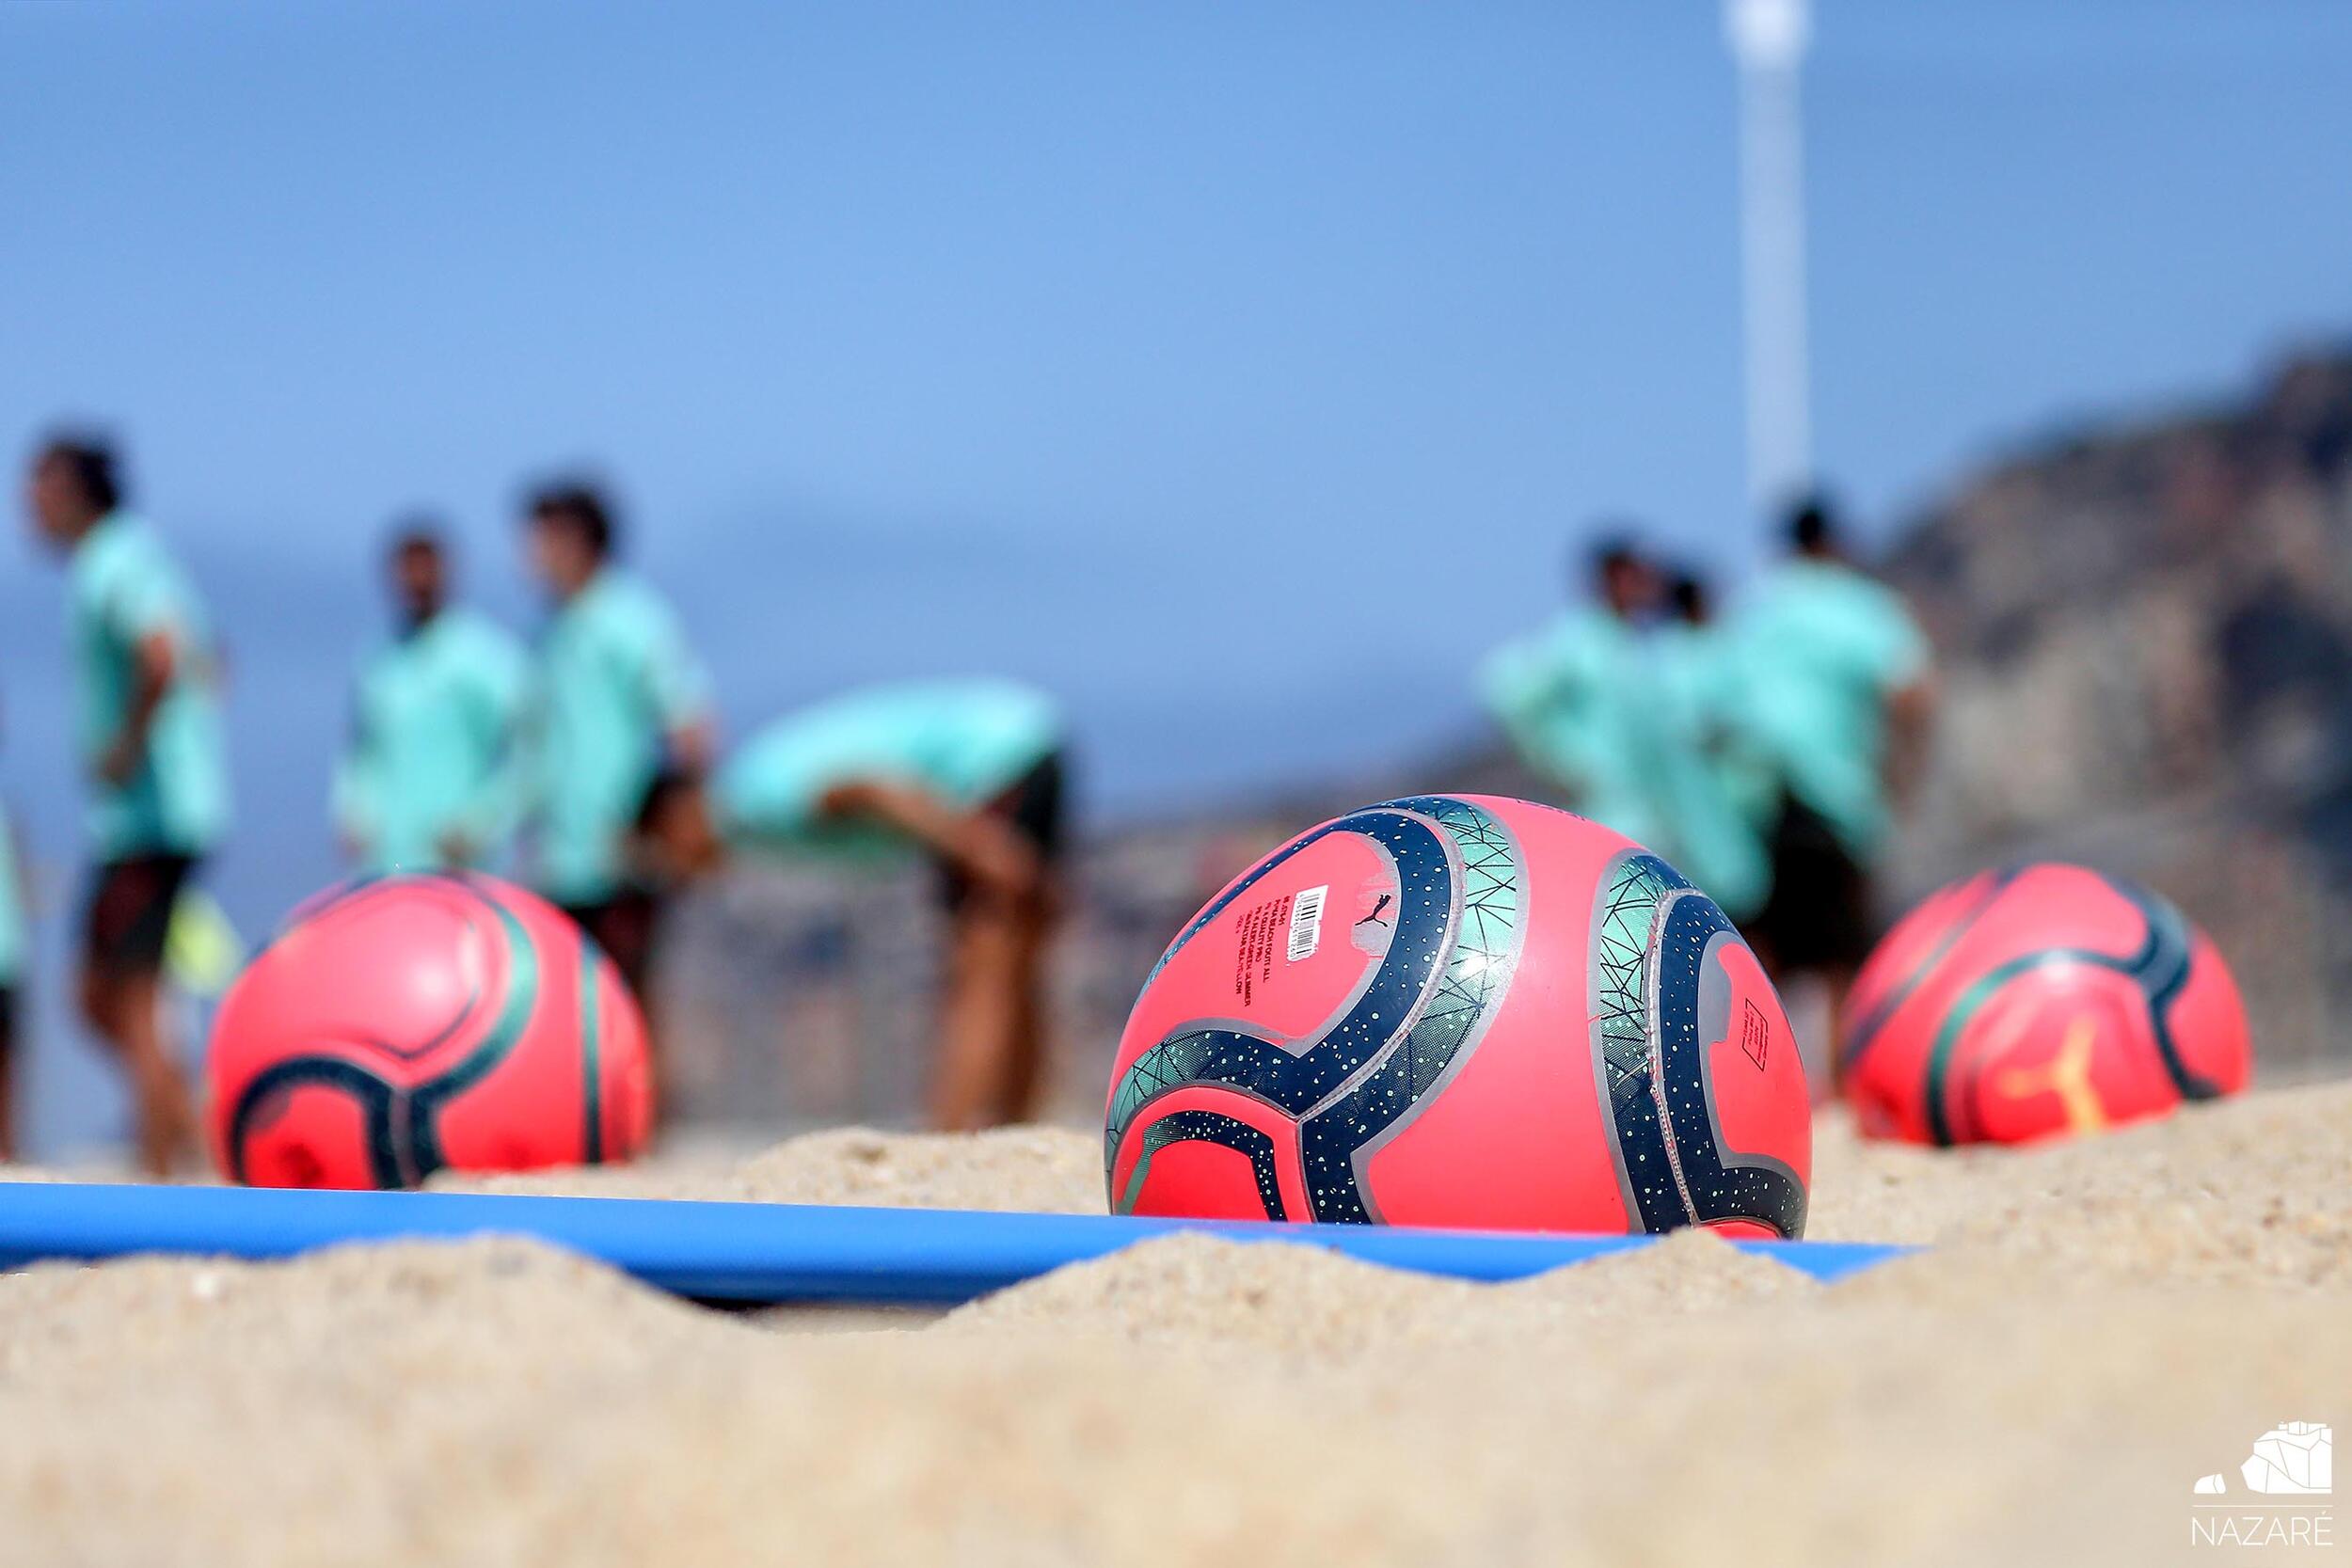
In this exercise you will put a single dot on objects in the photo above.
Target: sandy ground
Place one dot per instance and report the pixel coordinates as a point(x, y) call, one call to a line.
point(2097, 1326)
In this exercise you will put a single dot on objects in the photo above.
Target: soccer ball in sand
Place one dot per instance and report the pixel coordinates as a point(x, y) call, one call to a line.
point(406, 1025)
point(2038, 1001)
point(1461, 1010)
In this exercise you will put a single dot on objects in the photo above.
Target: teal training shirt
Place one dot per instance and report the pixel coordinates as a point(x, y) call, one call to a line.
point(964, 741)
point(616, 677)
point(1824, 647)
point(125, 588)
point(11, 908)
point(1716, 794)
point(435, 744)
point(1578, 701)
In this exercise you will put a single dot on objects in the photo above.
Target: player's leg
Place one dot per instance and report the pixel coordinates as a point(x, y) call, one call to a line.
point(1024, 1063)
point(626, 927)
point(8, 1075)
point(1837, 985)
point(992, 1020)
point(1039, 808)
point(1816, 928)
point(1777, 925)
point(1846, 939)
point(1785, 936)
point(166, 1116)
point(979, 1012)
point(122, 998)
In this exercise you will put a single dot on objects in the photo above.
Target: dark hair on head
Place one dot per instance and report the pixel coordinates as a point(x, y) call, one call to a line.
point(91, 458)
point(1686, 595)
point(578, 506)
point(1613, 549)
point(419, 533)
point(1813, 524)
point(664, 787)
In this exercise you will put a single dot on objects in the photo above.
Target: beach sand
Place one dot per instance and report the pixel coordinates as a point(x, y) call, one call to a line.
point(2097, 1325)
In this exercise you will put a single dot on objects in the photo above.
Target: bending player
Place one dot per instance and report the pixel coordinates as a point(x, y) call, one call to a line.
point(967, 772)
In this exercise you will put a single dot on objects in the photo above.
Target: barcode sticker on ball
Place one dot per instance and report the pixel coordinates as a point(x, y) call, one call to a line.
point(1307, 923)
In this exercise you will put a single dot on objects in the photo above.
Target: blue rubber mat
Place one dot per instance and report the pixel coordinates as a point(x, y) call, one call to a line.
point(755, 1252)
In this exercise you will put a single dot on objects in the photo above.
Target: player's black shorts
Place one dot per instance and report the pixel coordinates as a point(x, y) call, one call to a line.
point(1034, 807)
point(129, 916)
point(625, 926)
point(8, 1022)
point(1818, 915)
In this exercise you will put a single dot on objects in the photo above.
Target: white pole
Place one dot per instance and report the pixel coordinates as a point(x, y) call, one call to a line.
point(1768, 38)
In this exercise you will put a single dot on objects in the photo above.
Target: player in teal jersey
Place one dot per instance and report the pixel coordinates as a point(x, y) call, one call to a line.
point(1578, 701)
point(1839, 693)
point(966, 773)
point(150, 735)
point(1716, 791)
point(622, 699)
point(431, 779)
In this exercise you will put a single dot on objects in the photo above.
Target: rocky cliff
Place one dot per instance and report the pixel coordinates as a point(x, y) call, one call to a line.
point(2145, 635)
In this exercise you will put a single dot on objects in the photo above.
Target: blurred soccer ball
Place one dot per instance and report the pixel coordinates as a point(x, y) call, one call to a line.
point(412, 1023)
point(2038, 1001)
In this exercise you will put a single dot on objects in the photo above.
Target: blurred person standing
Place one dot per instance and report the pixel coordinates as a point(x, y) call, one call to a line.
point(1839, 691)
point(1718, 794)
point(968, 773)
point(1578, 701)
point(151, 739)
point(431, 778)
point(623, 700)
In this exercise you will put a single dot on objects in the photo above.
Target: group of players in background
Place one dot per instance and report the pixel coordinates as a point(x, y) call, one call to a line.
point(591, 756)
point(1762, 752)
point(1760, 755)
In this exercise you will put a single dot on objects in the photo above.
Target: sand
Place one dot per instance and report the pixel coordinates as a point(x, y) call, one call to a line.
point(2096, 1327)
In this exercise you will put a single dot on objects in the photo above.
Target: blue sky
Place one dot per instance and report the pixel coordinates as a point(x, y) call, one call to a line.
point(1238, 370)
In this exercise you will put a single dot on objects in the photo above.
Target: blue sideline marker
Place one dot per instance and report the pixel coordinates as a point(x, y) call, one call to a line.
point(755, 1252)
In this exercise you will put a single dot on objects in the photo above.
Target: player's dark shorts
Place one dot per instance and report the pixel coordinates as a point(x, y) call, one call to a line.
point(8, 1023)
point(625, 926)
point(1818, 915)
point(129, 917)
point(1033, 807)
